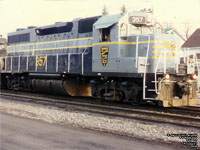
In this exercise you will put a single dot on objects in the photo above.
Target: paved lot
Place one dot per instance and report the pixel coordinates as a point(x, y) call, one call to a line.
point(19, 133)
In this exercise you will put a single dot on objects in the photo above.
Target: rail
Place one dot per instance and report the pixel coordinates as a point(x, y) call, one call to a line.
point(172, 116)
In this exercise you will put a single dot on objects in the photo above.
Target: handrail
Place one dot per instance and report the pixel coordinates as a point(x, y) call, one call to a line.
point(155, 75)
point(43, 55)
point(195, 63)
point(83, 59)
point(145, 68)
point(165, 62)
point(19, 63)
point(26, 63)
point(178, 54)
point(36, 67)
point(5, 64)
point(11, 63)
point(164, 67)
point(57, 63)
point(46, 67)
point(136, 53)
point(68, 63)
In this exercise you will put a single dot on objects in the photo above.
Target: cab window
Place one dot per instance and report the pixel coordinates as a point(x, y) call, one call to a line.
point(105, 34)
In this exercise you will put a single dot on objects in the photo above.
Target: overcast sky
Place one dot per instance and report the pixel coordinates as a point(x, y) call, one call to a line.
point(23, 13)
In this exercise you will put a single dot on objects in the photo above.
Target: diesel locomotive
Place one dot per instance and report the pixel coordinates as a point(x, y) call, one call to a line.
point(123, 57)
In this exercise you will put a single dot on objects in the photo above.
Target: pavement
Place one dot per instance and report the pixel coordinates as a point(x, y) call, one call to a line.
point(18, 133)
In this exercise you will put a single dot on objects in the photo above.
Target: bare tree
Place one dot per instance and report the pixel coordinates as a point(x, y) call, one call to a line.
point(104, 10)
point(123, 9)
point(187, 30)
point(167, 25)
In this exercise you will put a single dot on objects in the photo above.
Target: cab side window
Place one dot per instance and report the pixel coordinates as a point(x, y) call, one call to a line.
point(105, 34)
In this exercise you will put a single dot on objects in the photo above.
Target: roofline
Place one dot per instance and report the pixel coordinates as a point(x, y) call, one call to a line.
point(179, 35)
point(191, 48)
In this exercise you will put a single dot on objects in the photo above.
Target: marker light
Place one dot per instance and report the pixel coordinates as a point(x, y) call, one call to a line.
point(194, 76)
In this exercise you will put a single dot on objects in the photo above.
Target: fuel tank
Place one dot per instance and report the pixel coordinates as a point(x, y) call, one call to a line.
point(60, 87)
point(49, 86)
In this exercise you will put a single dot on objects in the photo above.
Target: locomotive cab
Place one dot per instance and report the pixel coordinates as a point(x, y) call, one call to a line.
point(133, 47)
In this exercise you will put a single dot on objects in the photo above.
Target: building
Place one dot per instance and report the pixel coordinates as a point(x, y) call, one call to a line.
point(3, 43)
point(191, 48)
point(192, 45)
point(175, 32)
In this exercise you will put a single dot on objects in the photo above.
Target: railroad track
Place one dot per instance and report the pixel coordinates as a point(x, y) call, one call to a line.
point(184, 111)
point(171, 116)
point(189, 109)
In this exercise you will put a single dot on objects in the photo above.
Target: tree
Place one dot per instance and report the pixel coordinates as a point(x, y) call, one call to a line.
point(123, 9)
point(104, 11)
point(167, 25)
point(187, 30)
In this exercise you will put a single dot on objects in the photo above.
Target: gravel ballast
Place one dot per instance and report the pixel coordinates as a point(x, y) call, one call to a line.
point(132, 128)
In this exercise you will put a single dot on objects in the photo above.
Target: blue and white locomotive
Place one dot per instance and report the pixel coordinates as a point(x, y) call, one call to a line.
point(124, 57)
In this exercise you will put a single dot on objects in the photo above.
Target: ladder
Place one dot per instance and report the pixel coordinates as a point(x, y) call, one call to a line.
point(145, 71)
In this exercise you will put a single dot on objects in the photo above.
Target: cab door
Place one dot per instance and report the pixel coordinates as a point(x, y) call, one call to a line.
point(105, 50)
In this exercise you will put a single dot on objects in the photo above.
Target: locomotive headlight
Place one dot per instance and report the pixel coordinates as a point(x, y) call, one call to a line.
point(167, 76)
point(194, 76)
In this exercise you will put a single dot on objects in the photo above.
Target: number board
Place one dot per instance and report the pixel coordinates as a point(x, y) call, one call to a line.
point(137, 20)
point(40, 61)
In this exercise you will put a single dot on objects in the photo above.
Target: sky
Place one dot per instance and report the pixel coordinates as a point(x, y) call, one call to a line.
point(23, 13)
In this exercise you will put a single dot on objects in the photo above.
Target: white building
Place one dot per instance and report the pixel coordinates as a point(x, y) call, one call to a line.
point(191, 48)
